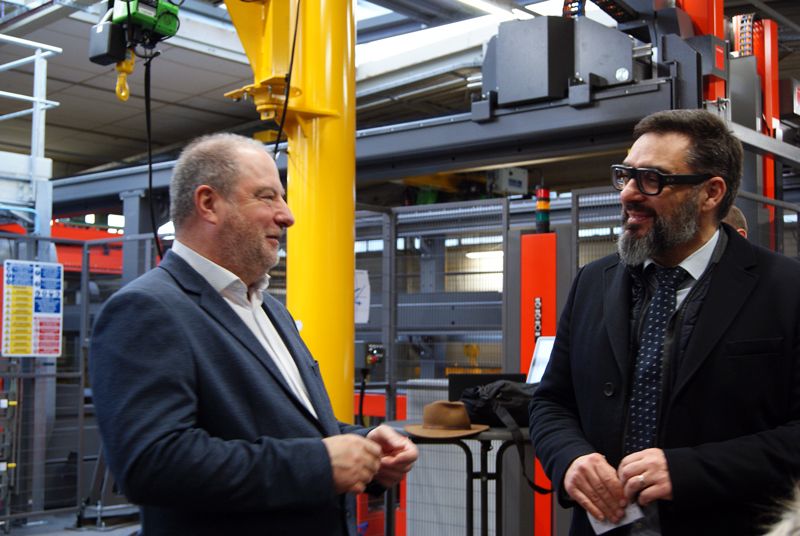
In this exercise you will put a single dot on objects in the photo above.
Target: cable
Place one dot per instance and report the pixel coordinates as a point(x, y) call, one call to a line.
point(362, 392)
point(288, 83)
point(150, 153)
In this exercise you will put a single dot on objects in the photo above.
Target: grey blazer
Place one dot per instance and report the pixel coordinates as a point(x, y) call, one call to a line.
point(198, 424)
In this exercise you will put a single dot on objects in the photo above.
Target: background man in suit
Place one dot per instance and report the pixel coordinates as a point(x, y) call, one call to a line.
point(736, 219)
point(212, 411)
point(694, 414)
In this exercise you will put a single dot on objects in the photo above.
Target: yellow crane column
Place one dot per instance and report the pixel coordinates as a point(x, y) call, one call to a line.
point(321, 172)
point(320, 127)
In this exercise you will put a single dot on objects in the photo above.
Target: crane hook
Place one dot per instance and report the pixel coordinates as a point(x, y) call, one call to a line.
point(124, 68)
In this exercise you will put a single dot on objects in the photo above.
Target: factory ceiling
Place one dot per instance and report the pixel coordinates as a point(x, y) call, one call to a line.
point(91, 129)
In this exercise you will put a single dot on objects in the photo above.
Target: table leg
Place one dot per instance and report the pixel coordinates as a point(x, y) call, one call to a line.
point(498, 488)
point(486, 446)
point(470, 476)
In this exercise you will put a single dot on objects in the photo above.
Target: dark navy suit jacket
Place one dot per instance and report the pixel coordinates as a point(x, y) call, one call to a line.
point(730, 426)
point(198, 424)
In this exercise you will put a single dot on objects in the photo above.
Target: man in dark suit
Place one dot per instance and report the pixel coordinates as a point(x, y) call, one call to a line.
point(212, 412)
point(677, 389)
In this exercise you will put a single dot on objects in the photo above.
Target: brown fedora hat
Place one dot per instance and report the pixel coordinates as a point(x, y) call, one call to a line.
point(445, 419)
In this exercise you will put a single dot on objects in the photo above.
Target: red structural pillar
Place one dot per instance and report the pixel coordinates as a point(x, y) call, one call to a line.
point(708, 18)
point(765, 49)
point(537, 317)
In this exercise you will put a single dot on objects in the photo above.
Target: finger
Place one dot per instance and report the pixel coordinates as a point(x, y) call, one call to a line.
point(635, 485)
point(393, 465)
point(606, 491)
point(405, 456)
point(631, 466)
point(597, 481)
point(372, 448)
point(652, 493)
point(588, 485)
point(358, 487)
point(387, 438)
point(588, 505)
point(394, 440)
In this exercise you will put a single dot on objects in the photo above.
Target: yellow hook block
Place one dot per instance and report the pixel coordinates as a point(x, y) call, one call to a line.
point(124, 68)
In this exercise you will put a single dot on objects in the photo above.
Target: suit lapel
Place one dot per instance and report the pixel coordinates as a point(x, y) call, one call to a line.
point(730, 286)
point(212, 303)
point(306, 365)
point(616, 312)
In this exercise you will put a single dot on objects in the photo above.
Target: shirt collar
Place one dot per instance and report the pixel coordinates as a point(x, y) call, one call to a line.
point(218, 277)
point(696, 263)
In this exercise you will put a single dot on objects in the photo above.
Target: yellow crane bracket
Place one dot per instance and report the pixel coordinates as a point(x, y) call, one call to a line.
point(124, 68)
point(268, 98)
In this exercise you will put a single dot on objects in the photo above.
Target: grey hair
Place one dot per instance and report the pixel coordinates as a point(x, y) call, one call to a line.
point(789, 523)
point(209, 160)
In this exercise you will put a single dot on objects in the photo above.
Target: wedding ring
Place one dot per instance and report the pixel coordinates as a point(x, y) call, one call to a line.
point(642, 484)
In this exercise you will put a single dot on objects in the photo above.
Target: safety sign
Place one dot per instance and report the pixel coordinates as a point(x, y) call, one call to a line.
point(33, 305)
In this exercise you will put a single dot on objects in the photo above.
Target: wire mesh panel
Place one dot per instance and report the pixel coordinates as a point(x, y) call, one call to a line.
point(437, 504)
point(596, 223)
point(791, 233)
point(772, 224)
point(41, 391)
point(449, 280)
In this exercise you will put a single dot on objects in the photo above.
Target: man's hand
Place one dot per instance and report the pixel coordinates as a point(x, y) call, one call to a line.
point(354, 461)
point(645, 473)
point(593, 483)
point(398, 455)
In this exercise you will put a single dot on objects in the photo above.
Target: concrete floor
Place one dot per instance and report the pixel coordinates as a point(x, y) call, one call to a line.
point(64, 525)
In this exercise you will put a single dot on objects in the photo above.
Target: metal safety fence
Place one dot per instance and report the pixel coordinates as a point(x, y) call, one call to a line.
point(597, 223)
point(445, 268)
point(48, 445)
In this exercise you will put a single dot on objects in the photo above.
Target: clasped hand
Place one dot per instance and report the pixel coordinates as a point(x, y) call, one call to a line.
point(604, 492)
point(383, 456)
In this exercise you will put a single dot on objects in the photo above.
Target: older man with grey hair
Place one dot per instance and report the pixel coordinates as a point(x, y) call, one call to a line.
point(212, 411)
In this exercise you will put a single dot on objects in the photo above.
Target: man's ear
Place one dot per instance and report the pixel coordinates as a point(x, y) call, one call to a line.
point(715, 189)
point(207, 203)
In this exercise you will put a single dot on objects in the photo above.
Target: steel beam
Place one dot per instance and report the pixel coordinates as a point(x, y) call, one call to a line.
point(456, 143)
point(103, 189)
point(761, 144)
point(513, 137)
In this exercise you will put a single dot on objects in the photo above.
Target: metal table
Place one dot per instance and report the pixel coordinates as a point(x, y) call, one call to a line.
point(485, 440)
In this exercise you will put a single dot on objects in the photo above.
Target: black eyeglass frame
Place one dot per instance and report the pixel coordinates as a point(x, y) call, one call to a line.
point(664, 179)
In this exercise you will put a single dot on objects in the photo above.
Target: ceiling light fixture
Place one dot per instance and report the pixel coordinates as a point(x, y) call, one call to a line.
point(488, 7)
point(505, 9)
point(494, 254)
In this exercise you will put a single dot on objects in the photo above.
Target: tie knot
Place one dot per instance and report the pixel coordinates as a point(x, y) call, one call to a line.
point(670, 277)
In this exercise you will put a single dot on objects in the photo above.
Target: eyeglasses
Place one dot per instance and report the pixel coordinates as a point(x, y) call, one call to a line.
point(650, 181)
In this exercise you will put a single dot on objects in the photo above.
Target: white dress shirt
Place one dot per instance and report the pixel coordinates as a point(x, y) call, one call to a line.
point(247, 304)
point(695, 264)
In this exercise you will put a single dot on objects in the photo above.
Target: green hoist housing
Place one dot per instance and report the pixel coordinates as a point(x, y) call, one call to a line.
point(160, 16)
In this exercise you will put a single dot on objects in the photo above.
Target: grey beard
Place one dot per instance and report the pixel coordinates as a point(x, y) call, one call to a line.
point(666, 233)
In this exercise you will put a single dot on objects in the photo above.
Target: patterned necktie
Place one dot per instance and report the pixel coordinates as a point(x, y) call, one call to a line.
point(646, 392)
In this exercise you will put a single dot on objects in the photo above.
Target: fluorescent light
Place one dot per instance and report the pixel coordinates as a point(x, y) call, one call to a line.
point(485, 255)
point(116, 220)
point(488, 7)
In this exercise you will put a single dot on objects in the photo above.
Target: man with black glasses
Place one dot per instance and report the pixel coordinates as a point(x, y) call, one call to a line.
point(671, 404)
